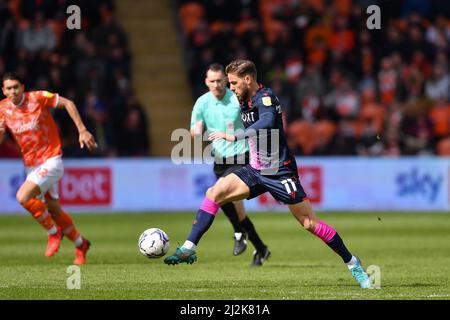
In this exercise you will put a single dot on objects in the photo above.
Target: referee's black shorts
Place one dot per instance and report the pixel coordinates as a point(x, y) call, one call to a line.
point(226, 166)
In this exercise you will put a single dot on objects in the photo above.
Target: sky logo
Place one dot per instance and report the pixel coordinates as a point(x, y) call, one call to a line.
point(419, 183)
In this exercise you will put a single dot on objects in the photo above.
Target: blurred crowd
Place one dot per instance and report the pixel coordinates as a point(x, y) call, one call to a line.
point(91, 66)
point(344, 89)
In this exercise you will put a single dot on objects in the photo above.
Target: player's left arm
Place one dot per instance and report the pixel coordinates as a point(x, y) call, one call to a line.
point(85, 138)
point(267, 109)
point(2, 128)
point(266, 120)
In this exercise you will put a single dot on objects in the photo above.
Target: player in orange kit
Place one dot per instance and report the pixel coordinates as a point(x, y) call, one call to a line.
point(28, 117)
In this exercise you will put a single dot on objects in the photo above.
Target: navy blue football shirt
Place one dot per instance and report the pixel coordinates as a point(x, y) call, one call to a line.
point(264, 130)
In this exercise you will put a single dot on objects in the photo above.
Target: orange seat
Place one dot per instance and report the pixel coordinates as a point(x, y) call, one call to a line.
point(191, 14)
point(244, 26)
point(374, 114)
point(343, 7)
point(217, 26)
point(324, 131)
point(443, 147)
point(302, 134)
point(14, 6)
point(440, 118)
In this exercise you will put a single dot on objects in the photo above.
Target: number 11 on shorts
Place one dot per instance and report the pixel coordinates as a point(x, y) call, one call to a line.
point(286, 184)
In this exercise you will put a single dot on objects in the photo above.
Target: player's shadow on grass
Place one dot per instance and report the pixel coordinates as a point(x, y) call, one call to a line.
point(413, 285)
point(297, 265)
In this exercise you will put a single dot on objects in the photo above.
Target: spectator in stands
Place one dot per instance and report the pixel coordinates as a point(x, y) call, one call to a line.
point(415, 129)
point(133, 138)
point(7, 30)
point(438, 85)
point(96, 115)
point(308, 92)
point(387, 82)
point(439, 116)
point(372, 115)
point(400, 66)
point(95, 60)
point(28, 8)
point(38, 36)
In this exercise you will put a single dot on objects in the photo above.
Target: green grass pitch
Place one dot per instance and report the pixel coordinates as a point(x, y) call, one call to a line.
point(411, 249)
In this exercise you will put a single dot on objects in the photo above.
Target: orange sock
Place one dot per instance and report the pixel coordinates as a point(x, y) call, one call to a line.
point(37, 208)
point(66, 224)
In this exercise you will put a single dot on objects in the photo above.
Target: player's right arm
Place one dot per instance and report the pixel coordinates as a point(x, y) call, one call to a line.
point(85, 138)
point(197, 119)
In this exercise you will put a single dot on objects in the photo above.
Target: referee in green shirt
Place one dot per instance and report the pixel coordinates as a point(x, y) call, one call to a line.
point(219, 110)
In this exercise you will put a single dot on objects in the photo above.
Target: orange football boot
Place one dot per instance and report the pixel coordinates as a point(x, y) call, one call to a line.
point(81, 251)
point(53, 243)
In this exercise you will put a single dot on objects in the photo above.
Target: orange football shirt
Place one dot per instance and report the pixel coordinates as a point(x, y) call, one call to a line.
point(32, 126)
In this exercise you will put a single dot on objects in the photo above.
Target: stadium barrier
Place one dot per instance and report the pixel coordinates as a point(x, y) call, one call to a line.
point(347, 184)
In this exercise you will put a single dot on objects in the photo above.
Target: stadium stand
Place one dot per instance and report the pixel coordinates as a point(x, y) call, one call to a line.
point(158, 73)
point(91, 66)
point(345, 89)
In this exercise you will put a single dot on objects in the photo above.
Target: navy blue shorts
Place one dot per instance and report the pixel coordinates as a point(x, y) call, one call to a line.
point(284, 186)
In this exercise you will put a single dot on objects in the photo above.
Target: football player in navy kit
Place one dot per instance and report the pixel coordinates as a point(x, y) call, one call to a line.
point(272, 168)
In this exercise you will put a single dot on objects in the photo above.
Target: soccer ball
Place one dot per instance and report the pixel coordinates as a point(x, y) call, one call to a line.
point(154, 243)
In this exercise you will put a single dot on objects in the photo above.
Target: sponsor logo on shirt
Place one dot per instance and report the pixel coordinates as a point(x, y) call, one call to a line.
point(21, 128)
point(267, 101)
